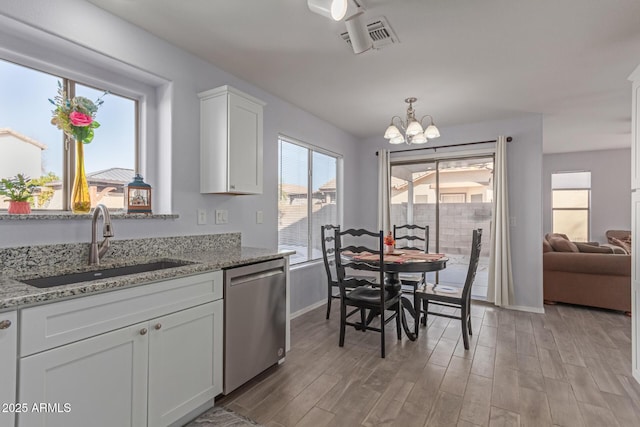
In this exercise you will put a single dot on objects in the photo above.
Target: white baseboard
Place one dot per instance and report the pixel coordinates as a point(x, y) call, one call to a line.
point(307, 309)
point(636, 375)
point(539, 310)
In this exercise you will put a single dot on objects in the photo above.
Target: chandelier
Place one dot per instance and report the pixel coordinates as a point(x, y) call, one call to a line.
point(413, 130)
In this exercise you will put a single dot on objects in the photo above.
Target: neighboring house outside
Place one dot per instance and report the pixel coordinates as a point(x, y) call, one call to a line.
point(105, 186)
point(460, 185)
point(19, 154)
point(291, 193)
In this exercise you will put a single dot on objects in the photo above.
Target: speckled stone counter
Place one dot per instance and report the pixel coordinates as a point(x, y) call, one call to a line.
point(206, 253)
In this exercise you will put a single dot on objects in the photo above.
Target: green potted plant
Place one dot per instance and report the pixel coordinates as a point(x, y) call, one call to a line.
point(18, 190)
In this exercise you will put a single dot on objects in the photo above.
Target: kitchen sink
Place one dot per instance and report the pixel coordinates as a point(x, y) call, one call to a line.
point(87, 276)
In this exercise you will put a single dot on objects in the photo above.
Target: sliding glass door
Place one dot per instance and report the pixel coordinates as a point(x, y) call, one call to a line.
point(452, 197)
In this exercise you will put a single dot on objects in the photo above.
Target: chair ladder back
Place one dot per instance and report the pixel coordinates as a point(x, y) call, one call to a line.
point(410, 239)
point(476, 246)
point(343, 262)
point(328, 238)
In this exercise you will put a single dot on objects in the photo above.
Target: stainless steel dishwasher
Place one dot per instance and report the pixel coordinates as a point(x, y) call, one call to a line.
point(254, 320)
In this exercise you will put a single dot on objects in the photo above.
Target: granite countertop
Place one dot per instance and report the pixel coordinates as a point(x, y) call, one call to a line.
point(15, 294)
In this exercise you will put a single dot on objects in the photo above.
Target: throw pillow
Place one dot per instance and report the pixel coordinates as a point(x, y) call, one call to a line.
point(550, 235)
point(623, 244)
point(546, 247)
point(562, 245)
point(592, 249)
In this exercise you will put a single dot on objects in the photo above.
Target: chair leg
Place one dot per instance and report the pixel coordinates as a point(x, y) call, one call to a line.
point(399, 320)
point(343, 319)
point(382, 322)
point(469, 324)
point(363, 320)
point(425, 307)
point(465, 335)
point(329, 300)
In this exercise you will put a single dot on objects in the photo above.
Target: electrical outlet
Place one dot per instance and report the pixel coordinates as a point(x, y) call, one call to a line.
point(512, 221)
point(202, 216)
point(259, 217)
point(221, 216)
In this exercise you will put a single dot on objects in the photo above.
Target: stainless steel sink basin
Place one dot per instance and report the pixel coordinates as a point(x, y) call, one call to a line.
point(47, 282)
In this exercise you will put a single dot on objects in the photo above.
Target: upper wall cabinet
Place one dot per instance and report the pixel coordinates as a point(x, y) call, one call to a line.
point(230, 142)
point(635, 131)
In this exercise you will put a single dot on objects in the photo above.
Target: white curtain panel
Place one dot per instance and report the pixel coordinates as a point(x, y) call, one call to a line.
point(384, 186)
point(500, 286)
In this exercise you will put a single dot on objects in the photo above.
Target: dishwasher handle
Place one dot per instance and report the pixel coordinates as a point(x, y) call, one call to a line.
point(238, 280)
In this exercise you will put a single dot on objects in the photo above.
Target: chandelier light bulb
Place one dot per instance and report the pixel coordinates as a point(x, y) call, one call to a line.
point(414, 128)
point(392, 132)
point(419, 139)
point(397, 140)
point(432, 132)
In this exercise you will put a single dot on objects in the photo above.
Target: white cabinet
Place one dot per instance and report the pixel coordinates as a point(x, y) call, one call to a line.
point(231, 126)
point(635, 223)
point(635, 134)
point(100, 381)
point(185, 362)
point(8, 366)
point(145, 356)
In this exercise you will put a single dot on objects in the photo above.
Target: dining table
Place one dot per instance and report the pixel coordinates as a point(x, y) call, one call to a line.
point(404, 261)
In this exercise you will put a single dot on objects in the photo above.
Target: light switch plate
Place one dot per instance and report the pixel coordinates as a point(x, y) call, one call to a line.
point(202, 216)
point(221, 216)
point(259, 217)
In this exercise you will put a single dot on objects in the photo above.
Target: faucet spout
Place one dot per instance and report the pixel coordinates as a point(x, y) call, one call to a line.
point(97, 250)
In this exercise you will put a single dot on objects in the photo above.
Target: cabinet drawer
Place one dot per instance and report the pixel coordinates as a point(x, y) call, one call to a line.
point(60, 323)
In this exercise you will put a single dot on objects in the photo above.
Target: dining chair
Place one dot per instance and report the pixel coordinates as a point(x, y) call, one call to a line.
point(413, 240)
point(327, 237)
point(401, 232)
point(359, 293)
point(461, 298)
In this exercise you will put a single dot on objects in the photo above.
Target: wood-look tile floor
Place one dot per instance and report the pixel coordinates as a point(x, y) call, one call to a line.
point(568, 367)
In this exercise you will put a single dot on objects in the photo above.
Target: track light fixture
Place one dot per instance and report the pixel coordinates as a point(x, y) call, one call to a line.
point(334, 9)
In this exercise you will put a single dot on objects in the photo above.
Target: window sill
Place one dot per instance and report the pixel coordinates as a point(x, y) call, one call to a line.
point(63, 215)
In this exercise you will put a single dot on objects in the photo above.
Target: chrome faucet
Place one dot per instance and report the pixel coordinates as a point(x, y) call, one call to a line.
point(96, 251)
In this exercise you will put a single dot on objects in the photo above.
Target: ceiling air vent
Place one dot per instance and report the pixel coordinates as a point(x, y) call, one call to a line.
point(380, 31)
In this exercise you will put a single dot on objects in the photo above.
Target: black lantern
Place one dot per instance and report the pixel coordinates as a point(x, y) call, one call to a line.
point(138, 196)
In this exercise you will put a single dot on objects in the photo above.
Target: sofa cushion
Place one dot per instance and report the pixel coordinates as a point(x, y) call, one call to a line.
point(615, 249)
point(560, 244)
point(626, 245)
point(546, 246)
point(600, 264)
point(593, 249)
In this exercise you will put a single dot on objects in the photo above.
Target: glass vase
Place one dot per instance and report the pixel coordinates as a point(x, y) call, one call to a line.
point(80, 199)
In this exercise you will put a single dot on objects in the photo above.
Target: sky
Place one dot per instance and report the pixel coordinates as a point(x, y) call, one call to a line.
point(294, 166)
point(25, 108)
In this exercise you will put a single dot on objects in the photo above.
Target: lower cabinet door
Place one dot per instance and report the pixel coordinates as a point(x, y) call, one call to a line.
point(98, 382)
point(8, 368)
point(185, 362)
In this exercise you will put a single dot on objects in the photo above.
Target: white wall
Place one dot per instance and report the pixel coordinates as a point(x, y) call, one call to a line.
point(103, 33)
point(525, 192)
point(610, 188)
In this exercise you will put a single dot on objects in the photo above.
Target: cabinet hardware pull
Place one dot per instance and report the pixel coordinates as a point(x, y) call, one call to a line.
point(143, 331)
point(158, 326)
point(5, 324)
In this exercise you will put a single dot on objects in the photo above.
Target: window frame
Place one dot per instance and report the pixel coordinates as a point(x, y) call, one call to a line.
point(587, 209)
point(68, 155)
point(311, 149)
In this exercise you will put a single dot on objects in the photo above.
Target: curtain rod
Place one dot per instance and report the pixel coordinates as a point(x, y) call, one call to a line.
point(509, 139)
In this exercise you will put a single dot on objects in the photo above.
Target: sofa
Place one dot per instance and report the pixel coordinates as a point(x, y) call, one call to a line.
point(585, 274)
